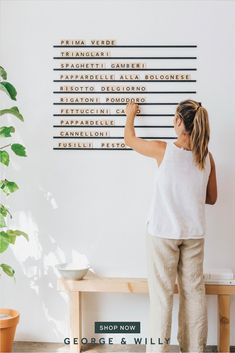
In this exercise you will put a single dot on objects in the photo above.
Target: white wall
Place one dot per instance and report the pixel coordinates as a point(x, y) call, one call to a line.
point(95, 202)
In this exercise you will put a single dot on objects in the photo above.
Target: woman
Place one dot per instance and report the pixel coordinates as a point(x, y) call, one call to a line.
point(185, 180)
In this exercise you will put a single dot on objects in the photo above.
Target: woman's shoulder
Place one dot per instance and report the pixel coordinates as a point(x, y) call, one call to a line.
point(160, 146)
point(161, 143)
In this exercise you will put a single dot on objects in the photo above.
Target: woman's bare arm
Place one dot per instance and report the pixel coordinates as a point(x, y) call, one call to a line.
point(150, 148)
point(211, 192)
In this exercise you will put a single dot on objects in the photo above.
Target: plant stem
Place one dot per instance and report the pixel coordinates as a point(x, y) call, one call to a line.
point(5, 146)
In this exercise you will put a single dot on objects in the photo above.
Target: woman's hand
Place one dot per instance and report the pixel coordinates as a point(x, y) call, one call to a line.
point(131, 109)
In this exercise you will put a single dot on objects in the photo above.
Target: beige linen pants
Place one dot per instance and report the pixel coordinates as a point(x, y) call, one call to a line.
point(168, 261)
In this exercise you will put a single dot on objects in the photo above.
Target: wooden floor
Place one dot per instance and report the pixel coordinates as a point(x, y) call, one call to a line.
point(39, 347)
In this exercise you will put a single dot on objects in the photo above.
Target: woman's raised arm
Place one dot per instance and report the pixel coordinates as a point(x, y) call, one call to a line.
point(152, 148)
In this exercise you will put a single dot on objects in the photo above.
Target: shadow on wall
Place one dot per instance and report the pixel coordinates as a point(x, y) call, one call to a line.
point(36, 275)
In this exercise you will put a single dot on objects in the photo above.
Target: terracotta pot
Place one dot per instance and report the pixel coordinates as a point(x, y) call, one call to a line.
point(7, 329)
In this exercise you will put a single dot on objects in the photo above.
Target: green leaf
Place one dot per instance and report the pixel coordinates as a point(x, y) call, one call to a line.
point(17, 232)
point(2, 221)
point(4, 243)
point(9, 237)
point(4, 211)
point(8, 270)
point(18, 149)
point(3, 73)
point(9, 89)
point(5, 131)
point(14, 111)
point(4, 157)
point(8, 186)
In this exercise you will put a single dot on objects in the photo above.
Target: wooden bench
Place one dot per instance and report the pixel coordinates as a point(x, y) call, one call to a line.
point(95, 284)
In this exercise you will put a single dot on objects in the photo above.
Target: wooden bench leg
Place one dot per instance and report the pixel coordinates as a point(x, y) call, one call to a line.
point(75, 321)
point(223, 323)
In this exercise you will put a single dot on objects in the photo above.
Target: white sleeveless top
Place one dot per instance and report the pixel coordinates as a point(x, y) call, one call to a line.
point(177, 208)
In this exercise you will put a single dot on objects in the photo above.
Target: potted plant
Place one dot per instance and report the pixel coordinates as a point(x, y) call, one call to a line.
point(9, 318)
